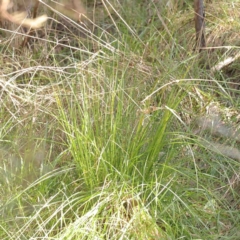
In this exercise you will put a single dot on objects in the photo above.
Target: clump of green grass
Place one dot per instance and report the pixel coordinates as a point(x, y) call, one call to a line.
point(109, 137)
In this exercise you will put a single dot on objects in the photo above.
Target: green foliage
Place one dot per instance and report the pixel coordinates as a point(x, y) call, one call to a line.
point(97, 140)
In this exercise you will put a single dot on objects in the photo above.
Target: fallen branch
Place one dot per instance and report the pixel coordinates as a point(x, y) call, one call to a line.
point(225, 63)
point(216, 127)
point(224, 150)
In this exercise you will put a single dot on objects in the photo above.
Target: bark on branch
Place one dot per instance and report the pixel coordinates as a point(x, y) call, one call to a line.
point(199, 24)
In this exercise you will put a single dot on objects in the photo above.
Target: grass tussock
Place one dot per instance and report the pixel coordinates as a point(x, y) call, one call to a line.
point(118, 129)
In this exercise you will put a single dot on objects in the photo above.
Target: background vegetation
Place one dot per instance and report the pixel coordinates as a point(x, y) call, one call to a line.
point(118, 129)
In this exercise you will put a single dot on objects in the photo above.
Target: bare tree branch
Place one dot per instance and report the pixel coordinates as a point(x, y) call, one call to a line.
point(199, 24)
